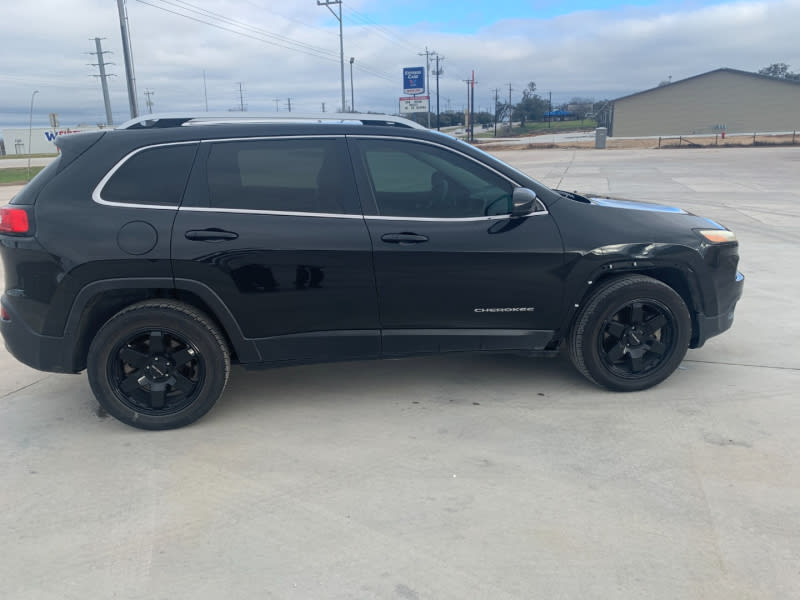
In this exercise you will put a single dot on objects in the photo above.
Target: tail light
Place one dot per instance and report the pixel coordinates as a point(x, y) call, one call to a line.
point(13, 220)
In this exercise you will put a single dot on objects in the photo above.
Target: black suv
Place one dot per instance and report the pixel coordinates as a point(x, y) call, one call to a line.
point(156, 254)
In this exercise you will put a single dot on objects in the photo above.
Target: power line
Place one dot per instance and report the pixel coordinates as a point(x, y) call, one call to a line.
point(312, 51)
point(257, 34)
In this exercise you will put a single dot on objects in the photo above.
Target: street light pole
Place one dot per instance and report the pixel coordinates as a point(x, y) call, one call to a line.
point(327, 3)
point(352, 97)
point(30, 130)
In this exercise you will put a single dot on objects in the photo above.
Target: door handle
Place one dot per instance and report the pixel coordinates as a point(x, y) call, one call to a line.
point(404, 238)
point(210, 235)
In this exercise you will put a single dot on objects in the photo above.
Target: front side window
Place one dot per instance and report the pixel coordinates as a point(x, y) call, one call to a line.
point(308, 175)
point(154, 176)
point(411, 179)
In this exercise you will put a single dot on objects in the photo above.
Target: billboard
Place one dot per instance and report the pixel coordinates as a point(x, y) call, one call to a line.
point(413, 80)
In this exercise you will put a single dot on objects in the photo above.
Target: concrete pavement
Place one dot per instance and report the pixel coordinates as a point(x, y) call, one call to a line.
point(449, 477)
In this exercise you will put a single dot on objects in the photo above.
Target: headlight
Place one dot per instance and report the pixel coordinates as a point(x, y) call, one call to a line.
point(717, 236)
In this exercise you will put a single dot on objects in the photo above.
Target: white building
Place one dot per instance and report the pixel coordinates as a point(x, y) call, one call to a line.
point(42, 139)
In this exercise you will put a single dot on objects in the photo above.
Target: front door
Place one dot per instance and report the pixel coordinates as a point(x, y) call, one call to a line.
point(453, 270)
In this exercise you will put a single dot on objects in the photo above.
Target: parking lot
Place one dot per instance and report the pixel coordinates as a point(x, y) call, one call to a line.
point(456, 477)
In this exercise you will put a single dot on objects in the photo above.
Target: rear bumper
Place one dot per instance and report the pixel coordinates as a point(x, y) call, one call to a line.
point(708, 326)
point(42, 352)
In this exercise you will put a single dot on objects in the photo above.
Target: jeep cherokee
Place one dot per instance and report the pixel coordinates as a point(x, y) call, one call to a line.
point(156, 254)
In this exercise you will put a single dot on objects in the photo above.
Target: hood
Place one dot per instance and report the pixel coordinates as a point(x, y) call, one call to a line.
point(611, 203)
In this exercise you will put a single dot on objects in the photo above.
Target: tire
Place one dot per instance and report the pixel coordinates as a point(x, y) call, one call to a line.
point(158, 364)
point(631, 334)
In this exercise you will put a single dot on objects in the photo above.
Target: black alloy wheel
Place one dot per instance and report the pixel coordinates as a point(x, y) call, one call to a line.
point(158, 364)
point(637, 338)
point(631, 334)
point(156, 372)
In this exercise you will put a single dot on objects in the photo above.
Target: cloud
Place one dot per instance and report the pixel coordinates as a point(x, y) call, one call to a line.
point(589, 53)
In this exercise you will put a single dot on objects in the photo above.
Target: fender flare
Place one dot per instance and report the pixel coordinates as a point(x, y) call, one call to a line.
point(246, 348)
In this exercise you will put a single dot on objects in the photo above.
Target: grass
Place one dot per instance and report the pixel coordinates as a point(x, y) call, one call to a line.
point(17, 175)
point(12, 156)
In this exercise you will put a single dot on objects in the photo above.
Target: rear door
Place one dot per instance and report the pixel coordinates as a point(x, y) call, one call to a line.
point(273, 226)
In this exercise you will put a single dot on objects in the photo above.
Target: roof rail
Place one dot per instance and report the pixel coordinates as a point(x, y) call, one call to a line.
point(162, 120)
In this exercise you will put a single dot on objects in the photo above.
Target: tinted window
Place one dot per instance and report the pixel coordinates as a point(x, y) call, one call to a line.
point(419, 180)
point(153, 176)
point(309, 175)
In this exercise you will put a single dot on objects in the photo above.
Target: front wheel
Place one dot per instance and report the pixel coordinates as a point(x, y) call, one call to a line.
point(631, 334)
point(158, 364)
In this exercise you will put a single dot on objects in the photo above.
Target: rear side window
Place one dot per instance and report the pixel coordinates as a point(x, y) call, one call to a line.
point(155, 176)
point(306, 175)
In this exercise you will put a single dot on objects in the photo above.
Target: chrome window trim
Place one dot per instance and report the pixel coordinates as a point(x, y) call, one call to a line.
point(97, 192)
point(452, 219)
point(277, 213)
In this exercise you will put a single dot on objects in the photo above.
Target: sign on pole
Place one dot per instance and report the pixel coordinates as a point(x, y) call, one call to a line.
point(413, 80)
point(414, 104)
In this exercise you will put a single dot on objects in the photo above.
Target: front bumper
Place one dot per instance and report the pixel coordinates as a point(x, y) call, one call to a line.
point(707, 326)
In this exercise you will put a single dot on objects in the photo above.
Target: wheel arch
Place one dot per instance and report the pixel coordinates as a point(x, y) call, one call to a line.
point(98, 301)
point(682, 280)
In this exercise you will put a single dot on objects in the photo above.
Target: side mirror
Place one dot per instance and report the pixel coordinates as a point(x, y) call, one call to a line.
point(522, 202)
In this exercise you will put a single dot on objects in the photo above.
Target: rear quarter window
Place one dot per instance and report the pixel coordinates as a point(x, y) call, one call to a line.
point(154, 176)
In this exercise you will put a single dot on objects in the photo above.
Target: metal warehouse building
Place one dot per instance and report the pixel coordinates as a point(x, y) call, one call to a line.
point(722, 100)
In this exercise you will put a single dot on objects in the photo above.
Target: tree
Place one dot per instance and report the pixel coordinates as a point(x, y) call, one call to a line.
point(532, 106)
point(501, 111)
point(779, 70)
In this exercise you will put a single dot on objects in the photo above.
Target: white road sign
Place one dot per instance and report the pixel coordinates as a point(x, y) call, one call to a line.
point(414, 104)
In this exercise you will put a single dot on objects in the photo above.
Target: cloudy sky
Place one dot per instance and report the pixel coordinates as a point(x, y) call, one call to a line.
point(290, 49)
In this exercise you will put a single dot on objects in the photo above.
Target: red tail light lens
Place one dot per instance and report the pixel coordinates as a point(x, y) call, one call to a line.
point(13, 220)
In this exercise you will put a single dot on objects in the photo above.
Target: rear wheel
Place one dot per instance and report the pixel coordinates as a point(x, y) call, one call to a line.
point(631, 334)
point(158, 365)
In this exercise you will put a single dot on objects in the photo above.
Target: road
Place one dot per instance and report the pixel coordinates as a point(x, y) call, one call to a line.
point(449, 477)
point(38, 161)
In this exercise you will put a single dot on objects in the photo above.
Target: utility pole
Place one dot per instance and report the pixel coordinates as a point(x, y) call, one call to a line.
point(101, 65)
point(277, 107)
point(149, 93)
point(130, 78)
point(241, 98)
point(438, 72)
point(30, 134)
point(472, 110)
point(467, 120)
point(327, 4)
point(323, 107)
point(352, 97)
point(205, 89)
point(496, 100)
point(510, 108)
point(550, 109)
point(427, 54)
point(289, 104)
